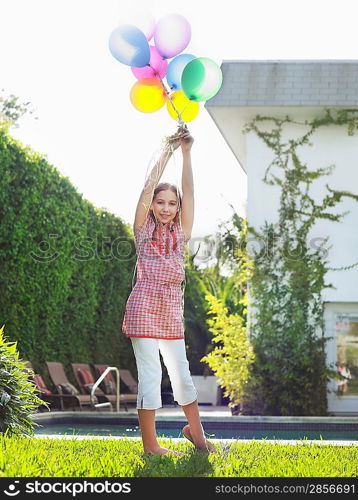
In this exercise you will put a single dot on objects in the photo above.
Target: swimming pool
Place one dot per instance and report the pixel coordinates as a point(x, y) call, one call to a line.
point(281, 428)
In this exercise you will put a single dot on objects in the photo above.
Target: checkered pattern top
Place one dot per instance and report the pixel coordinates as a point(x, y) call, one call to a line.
point(155, 306)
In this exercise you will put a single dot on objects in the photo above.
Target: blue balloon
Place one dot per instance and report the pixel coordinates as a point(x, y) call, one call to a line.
point(175, 70)
point(129, 45)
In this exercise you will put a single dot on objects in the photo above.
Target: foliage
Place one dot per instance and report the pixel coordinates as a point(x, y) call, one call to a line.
point(289, 376)
point(226, 254)
point(66, 266)
point(227, 277)
point(11, 109)
point(17, 393)
point(232, 354)
point(93, 457)
point(231, 358)
point(195, 313)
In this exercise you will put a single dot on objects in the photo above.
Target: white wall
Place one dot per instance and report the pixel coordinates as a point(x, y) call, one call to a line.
point(331, 145)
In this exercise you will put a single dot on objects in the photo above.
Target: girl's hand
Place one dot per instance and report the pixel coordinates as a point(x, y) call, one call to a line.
point(182, 138)
point(186, 140)
point(174, 140)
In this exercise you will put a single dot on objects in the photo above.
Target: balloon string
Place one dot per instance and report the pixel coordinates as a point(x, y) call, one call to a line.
point(183, 284)
point(156, 74)
point(185, 107)
point(175, 109)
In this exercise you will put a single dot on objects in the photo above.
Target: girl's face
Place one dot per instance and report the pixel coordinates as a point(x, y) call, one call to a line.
point(165, 206)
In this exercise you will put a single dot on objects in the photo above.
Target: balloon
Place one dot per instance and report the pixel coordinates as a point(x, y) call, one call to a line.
point(201, 79)
point(148, 95)
point(129, 46)
point(142, 19)
point(175, 70)
point(188, 109)
point(157, 64)
point(171, 35)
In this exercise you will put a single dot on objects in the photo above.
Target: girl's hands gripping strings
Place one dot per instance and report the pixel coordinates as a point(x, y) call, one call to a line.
point(182, 138)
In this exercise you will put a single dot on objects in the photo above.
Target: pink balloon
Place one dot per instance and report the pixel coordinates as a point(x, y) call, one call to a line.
point(171, 35)
point(158, 66)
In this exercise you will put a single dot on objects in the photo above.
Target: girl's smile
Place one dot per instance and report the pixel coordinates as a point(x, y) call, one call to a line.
point(165, 206)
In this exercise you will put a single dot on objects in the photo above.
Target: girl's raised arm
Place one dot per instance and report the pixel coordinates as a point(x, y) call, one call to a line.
point(151, 183)
point(187, 212)
point(146, 195)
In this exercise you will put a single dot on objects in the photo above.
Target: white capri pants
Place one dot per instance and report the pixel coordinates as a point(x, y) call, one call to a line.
point(146, 351)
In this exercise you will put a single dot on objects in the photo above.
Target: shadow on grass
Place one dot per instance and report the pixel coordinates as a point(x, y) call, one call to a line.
point(192, 464)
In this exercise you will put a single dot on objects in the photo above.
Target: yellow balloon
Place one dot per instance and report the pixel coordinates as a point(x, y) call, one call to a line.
point(188, 109)
point(148, 95)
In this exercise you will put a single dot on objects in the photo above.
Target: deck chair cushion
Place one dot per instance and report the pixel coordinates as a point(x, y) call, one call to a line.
point(41, 385)
point(85, 376)
point(68, 388)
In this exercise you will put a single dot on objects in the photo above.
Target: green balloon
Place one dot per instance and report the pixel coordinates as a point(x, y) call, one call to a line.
point(201, 79)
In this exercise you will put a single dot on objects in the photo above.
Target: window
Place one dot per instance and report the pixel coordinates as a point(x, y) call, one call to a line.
point(346, 329)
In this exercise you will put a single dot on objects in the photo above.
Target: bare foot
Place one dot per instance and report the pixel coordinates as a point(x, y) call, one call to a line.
point(203, 446)
point(163, 451)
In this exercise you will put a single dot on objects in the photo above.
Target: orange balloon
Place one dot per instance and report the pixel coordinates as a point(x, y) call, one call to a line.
point(148, 95)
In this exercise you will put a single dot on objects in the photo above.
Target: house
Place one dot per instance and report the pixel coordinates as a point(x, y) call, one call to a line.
point(302, 89)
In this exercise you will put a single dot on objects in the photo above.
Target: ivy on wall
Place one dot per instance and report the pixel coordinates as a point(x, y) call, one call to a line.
point(289, 375)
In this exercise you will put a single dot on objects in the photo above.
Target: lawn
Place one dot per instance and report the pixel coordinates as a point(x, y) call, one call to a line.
point(44, 457)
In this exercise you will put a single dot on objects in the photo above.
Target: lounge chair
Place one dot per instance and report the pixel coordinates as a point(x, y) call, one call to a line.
point(132, 385)
point(64, 387)
point(86, 380)
point(129, 381)
point(44, 392)
point(109, 386)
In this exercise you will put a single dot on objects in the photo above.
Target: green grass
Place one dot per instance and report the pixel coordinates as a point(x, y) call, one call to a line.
point(42, 457)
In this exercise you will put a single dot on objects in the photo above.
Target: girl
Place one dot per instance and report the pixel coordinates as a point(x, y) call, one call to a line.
point(154, 311)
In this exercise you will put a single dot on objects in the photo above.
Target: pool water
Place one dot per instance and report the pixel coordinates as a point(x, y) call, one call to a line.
point(131, 430)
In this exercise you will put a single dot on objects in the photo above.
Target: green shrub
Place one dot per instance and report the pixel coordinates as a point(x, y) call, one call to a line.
point(17, 393)
point(66, 266)
point(233, 354)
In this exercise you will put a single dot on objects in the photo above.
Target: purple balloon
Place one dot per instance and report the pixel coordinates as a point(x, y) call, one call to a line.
point(171, 35)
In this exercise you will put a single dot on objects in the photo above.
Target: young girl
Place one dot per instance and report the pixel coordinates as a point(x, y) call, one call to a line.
point(154, 311)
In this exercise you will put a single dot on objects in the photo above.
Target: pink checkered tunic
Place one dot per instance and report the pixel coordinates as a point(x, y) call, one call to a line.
point(154, 308)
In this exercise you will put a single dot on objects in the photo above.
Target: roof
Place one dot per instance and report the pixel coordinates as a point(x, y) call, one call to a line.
point(288, 83)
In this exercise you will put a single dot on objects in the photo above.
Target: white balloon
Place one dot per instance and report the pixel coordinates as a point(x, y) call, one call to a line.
point(142, 19)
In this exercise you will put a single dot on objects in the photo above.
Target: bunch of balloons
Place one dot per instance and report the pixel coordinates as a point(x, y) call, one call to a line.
point(190, 79)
